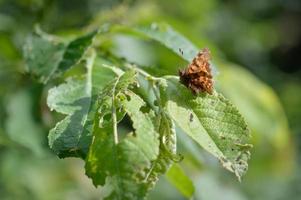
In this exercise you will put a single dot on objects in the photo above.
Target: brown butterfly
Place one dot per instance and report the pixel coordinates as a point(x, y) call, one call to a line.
point(197, 75)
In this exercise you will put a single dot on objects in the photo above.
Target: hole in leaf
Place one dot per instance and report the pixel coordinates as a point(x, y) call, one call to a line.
point(222, 137)
point(122, 97)
point(145, 109)
point(125, 127)
point(107, 117)
point(128, 97)
point(191, 117)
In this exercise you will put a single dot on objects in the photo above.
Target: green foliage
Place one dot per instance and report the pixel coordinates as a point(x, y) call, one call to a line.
point(213, 122)
point(259, 100)
point(97, 103)
point(164, 34)
point(123, 165)
point(179, 179)
point(48, 56)
point(74, 98)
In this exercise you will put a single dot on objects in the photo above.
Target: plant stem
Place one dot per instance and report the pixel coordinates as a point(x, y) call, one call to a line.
point(142, 72)
point(114, 117)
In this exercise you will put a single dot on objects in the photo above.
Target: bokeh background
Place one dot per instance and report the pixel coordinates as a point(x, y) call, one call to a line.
point(256, 47)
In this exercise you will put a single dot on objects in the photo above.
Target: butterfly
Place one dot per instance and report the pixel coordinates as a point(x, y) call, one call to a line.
point(197, 75)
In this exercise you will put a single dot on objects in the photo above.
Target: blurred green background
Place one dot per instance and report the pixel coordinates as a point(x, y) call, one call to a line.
point(262, 38)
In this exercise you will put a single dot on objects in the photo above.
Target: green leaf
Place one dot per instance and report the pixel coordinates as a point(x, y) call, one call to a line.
point(42, 56)
point(47, 57)
point(262, 108)
point(122, 164)
point(217, 126)
point(75, 50)
point(177, 177)
point(164, 34)
point(265, 116)
point(213, 122)
point(164, 126)
point(170, 38)
point(167, 149)
point(77, 99)
point(73, 99)
point(167, 36)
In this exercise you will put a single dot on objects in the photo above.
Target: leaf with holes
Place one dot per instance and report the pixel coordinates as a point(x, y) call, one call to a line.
point(227, 140)
point(77, 99)
point(213, 122)
point(167, 149)
point(122, 164)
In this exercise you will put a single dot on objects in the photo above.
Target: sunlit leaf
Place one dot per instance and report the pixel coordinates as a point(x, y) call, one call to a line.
point(170, 38)
point(122, 164)
point(77, 99)
point(261, 106)
point(265, 116)
point(213, 122)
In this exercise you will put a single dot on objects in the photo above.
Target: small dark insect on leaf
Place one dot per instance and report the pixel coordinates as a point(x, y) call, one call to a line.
point(197, 75)
point(181, 51)
point(191, 117)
